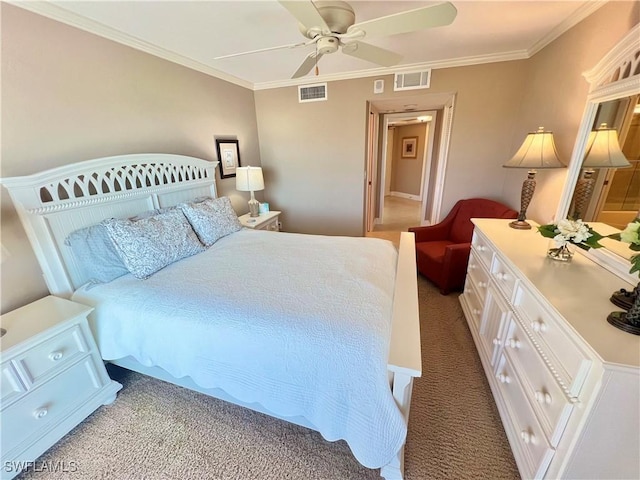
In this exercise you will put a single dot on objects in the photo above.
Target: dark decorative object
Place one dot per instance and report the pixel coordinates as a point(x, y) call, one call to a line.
point(624, 298)
point(628, 321)
point(229, 157)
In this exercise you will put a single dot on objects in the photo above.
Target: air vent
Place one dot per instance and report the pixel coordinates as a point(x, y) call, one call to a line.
point(412, 80)
point(312, 93)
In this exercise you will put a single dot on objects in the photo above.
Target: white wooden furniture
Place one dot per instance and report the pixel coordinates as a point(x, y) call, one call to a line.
point(265, 221)
point(54, 203)
point(52, 378)
point(566, 383)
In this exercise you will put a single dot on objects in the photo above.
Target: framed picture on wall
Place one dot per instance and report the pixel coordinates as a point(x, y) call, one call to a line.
point(228, 156)
point(409, 147)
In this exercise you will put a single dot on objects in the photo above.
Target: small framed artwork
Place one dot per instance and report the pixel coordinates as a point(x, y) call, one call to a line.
point(409, 147)
point(228, 156)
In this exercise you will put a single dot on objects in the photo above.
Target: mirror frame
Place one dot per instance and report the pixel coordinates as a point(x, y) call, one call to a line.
point(612, 78)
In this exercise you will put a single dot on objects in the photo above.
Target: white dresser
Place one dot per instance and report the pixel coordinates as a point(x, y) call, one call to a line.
point(566, 383)
point(52, 378)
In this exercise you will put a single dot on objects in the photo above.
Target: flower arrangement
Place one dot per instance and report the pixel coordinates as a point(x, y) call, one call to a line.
point(631, 235)
point(569, 231)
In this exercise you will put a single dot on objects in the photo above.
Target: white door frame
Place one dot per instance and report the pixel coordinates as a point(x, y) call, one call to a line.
point(370, 174)
point(443, 157)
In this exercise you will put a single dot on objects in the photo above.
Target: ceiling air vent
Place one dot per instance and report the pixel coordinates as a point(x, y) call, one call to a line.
point(412, 80)
point(312, 93)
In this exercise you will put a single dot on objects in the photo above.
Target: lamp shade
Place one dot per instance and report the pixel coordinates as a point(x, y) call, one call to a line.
point(603, 150)
point(537, 151)
point(249, 179)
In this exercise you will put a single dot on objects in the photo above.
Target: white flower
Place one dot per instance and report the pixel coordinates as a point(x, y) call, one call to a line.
point(560, 240)
point(572, 231)
point(631, 234)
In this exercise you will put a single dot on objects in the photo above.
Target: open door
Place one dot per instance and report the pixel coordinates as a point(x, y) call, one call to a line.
point(371, 170)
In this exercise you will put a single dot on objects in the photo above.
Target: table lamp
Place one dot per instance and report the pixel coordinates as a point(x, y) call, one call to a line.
point(537, 151)
point(603, 151)
point(249, 179)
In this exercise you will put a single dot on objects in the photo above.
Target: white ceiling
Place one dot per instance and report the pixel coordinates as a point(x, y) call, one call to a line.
point(193, 33)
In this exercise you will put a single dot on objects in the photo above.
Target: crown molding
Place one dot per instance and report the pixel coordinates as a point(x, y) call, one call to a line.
point(576, 17)
point(376, 72)
point(67, 17)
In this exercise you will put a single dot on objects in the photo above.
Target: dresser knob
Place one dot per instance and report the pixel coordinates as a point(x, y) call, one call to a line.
point(55, 356)
point(513, 343)
point(482, 248)
point(539, 326)
point(477, 311)
point(527, 437)
point(503, 378)
point(482, 284)
point(543, 397)
point(501, 276)
point(496, 341)
point(40, 412)
point(472, 266)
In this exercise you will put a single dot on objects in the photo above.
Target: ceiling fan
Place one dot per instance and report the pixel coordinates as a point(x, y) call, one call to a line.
point(330, 25)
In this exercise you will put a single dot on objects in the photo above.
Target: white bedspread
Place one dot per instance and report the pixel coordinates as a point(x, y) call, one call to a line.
point(299, 323)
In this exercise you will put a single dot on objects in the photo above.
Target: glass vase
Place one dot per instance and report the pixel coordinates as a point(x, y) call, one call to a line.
point(561, 254)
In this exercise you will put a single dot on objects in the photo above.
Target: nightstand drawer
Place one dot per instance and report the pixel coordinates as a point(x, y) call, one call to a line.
point(46, 404)
point(10, 385)
point(55, 353)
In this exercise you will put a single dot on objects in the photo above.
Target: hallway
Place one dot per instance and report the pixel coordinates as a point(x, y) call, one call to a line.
point(399, 214)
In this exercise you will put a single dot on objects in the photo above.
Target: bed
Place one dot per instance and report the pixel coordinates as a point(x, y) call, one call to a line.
point(318, 331)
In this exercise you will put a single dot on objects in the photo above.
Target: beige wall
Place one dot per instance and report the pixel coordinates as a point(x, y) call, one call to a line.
point(315, 152)
point(407, 172)
point(68, 96)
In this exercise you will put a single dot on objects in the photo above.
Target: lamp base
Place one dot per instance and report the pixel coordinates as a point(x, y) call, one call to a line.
point(254, 208)
point(520, 225)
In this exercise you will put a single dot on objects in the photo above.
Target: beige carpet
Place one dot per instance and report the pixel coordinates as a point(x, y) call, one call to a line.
point(155, 430)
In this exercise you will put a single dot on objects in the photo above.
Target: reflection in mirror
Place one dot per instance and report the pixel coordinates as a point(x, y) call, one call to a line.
point(613, 99)
point(615, 199)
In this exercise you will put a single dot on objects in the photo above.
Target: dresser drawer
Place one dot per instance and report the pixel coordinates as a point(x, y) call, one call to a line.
point(503, 277)
point(10, 385)
point(478, 277)
point(54, 353)
point(530, 446)
point(47, 404)
point(482, 248)
point(474, 304)
point(542, 389)
point(565, 356)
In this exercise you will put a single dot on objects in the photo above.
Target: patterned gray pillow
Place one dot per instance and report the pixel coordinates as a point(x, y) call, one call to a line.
point(212, 219)
point(152, 243)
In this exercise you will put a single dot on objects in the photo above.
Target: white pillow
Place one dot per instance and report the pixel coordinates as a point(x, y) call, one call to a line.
point(150, 244)
point(212, 219)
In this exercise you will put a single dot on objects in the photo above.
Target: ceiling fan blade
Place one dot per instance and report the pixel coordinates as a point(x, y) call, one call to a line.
point(409, 21)
point(268, 49)
point(371, 53)
point(306, 13)
point(307, 65)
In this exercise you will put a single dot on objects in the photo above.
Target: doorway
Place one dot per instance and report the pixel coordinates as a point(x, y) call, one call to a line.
point(392, 218)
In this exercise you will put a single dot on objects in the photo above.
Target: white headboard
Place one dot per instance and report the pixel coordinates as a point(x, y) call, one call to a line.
point(56, 202)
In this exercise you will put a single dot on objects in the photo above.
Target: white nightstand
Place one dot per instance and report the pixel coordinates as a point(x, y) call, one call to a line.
point(52, 378)
point(265, 221)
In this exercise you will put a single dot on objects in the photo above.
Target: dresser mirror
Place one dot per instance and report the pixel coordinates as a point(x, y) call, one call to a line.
point(613, 99)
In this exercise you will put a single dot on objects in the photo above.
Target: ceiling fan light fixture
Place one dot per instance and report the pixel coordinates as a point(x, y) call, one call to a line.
point(327, 45)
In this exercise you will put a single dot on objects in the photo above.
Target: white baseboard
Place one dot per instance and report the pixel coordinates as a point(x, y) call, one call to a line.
point(406, 195)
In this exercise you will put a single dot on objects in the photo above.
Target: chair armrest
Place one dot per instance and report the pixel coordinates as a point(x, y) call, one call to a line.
point(431, 232)
point(457, 255)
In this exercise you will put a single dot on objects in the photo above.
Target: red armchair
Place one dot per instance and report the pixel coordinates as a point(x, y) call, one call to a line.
point(442, 250)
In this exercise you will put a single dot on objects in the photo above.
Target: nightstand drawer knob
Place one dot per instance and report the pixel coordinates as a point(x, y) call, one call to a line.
point(40, 412)
point(56, 356)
